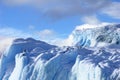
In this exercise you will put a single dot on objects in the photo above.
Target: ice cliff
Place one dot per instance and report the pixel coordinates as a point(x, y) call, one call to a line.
point(96, 35)
point(94, 55)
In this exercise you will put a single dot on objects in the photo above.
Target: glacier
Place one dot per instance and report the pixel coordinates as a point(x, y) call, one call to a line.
point(94, 55)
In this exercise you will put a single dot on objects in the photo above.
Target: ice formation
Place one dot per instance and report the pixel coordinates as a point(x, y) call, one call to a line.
point(94, 55)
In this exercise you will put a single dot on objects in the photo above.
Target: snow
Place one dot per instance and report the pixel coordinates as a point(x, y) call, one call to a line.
point(21, 62)
point(70, 64)
point(18, 46)
point(90, 58)
point(90, 26)
point(96, 35)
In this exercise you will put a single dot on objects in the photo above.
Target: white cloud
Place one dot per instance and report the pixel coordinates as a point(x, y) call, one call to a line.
point(31, 27)
point(46, 34)
point(91, 20)
point(4, 43)
point(63, 8)
point(62, 41)
point(54, 38)
point(113, 10)
point(15, 2)
point(7, 35)
point(11, 32)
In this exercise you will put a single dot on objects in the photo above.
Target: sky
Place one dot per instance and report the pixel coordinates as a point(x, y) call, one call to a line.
point(53, 19)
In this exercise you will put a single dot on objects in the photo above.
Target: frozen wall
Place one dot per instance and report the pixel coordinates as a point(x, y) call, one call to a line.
point(88, 59)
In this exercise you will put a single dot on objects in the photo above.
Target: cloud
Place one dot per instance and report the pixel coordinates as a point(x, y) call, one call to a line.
point(11, 32)
point(62, 41)
point(15, 2)
point(91, 20)
point(31, 27)
point(8, 34)
point(63, 8)
point(46, 34)
point(113, 10)
point(4, 43)
point(54, 38)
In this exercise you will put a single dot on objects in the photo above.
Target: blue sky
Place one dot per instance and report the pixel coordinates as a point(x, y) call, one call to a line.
point(48, 19)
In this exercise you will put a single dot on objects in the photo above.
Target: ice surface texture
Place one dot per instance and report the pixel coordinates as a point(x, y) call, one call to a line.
point(95, 55)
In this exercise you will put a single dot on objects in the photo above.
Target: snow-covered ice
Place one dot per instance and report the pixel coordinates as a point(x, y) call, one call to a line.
point(94, 55)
